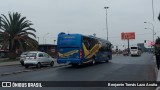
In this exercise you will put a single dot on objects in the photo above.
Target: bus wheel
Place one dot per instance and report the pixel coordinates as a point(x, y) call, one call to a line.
point(107, 61)
point(74, 65)
point(26, 66)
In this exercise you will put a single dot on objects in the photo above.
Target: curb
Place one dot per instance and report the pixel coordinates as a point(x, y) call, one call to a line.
point(157, 73)
point(17, 72)
point(9, 65)
point(155, 67)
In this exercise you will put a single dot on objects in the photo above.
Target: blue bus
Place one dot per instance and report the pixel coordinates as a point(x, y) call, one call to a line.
point(78, 49)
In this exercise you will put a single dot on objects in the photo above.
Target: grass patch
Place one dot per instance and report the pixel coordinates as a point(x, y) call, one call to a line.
point(9, 60)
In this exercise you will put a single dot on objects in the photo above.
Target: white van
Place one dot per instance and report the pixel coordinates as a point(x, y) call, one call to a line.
point(135, 51)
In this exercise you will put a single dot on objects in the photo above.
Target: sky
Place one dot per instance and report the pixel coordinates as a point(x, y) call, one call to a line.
point(87, 17)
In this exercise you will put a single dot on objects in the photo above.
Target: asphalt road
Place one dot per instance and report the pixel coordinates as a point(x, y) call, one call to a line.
point(15, 68)
point(121, 68)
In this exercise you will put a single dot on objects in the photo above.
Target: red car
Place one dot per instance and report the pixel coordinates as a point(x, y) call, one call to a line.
point(125, 53)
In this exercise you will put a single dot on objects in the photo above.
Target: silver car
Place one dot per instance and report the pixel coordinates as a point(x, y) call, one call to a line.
point(38, 59)
point(23, 57)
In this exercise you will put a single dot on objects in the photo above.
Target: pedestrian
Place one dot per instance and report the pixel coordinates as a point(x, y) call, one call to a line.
point(157, 53)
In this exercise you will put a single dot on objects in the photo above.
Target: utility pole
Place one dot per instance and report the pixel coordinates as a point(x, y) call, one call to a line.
point(127, 37)
point(106, 21)
point(38, 39)
point(54, 48)
point(153, 10)
point(128, 45)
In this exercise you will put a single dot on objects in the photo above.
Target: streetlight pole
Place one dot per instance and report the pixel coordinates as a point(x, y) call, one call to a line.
point(44, 41)
point(153, 38)
point(106, 21)
point(54, 48)
point(38, 39)
point(152, 32)
point(151, 29)
point(54, 42)
point(153, 10)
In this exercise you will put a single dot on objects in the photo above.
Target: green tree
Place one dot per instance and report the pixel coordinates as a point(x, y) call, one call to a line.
point(158, 40)
point(16, 33)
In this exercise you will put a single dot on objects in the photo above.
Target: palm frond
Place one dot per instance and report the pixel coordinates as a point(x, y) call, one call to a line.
point(15, 32)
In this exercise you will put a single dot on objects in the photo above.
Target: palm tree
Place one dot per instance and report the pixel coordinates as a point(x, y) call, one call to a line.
point(16, 33)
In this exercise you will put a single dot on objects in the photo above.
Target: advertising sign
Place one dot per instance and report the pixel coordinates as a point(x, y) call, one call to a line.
point(127, 35)
point(151, 43)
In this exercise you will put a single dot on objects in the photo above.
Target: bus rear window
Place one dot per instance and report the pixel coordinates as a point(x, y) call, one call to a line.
point(68, 43)
point(133, 47)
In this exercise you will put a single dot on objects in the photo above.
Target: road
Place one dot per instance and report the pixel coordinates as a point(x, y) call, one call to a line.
point(18, 68)
point(121, 68)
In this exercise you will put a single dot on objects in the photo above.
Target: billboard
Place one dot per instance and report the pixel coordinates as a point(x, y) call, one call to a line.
point(127, 35)
point(151, 43)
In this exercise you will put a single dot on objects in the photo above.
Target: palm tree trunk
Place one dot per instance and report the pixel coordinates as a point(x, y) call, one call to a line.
point(12, 50)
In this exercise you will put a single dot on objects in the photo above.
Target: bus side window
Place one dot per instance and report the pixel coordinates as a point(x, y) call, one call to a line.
point(102, 49)
point(92, 42)
point(89, 43)
point(109, 47)
point(86, 43)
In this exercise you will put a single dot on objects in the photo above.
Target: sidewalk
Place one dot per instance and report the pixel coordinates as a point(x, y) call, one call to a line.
point(157, 72)
point(9, 63)
point(158, 76)
point(158, 79)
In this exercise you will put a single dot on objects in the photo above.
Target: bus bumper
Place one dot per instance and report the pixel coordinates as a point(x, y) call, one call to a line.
point(69, 61)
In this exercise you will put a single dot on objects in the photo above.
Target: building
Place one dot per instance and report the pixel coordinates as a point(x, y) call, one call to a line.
point(141, 45)
point(48, 48)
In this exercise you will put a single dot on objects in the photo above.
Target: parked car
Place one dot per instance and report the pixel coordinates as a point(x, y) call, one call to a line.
point(23, 57)
point(125, 53)
point(4, 53)
point(38, 59)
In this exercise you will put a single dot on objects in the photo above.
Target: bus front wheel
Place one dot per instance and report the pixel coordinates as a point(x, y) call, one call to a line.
point(107, 59)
